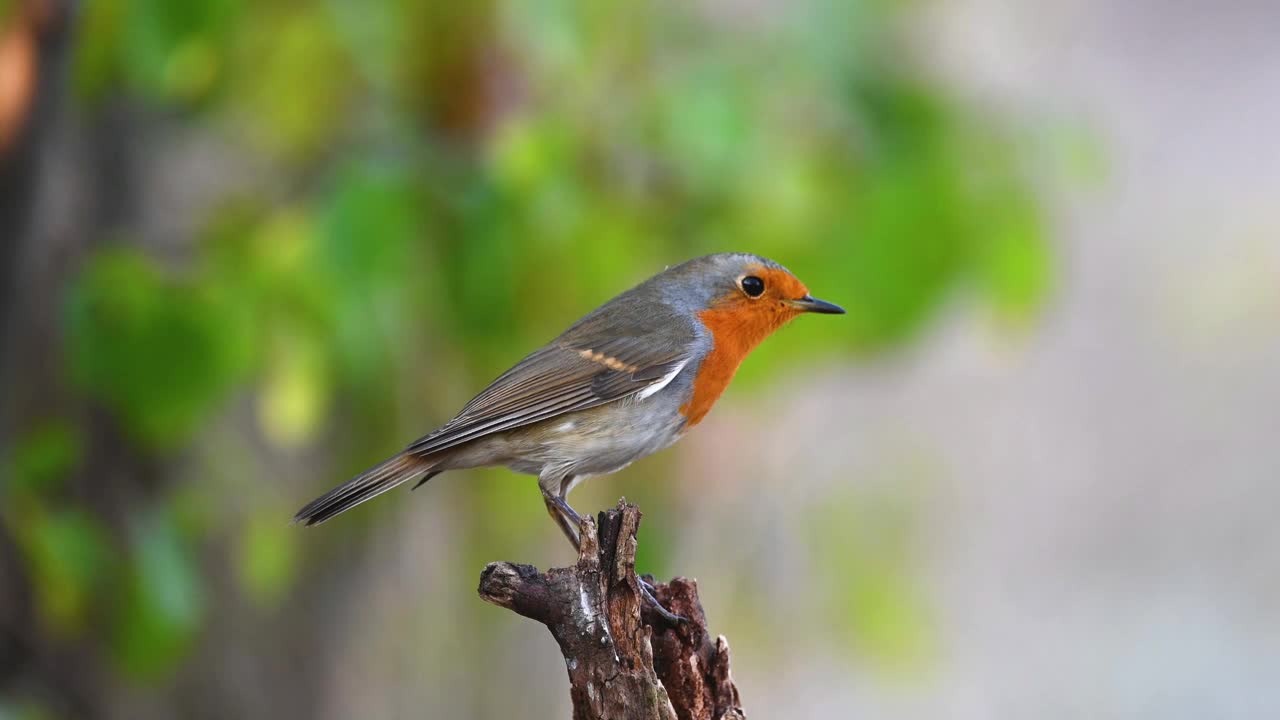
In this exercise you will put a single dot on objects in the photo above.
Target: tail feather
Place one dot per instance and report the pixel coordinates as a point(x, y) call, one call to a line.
point(365, 486)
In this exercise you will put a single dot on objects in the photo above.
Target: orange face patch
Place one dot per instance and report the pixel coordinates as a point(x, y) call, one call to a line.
point(778, 284)
point(738, 324)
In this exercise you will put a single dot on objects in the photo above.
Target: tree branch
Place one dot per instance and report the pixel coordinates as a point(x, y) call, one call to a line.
point(624, 661)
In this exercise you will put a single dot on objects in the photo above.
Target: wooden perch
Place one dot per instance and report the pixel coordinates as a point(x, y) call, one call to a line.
point(625, 662)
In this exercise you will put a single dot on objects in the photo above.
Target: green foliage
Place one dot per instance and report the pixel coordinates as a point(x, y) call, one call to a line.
point(369, 256)
point(170, 49)
point(64, 549)
point(41, 460)
point(1014, 265)
point(162, 605)
point(161, 353)
point(292, 78)
point(167, 50)
point(68, 558)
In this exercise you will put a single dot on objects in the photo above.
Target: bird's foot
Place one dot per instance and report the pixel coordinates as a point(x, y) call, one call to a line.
point(647, 591)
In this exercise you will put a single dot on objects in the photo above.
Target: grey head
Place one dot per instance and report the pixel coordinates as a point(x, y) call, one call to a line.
point(695, 284)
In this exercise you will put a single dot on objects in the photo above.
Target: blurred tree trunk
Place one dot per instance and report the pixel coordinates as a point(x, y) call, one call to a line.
point(624, 662)
point(35, 264)
point(66, 184)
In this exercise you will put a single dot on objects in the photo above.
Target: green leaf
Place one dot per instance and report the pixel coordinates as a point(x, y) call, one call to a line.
point(173, 49)
point(167, 50)
point(43, 457)
point(1014, 266)
point(67, 554)
point(96, 62)
point(295, 393)
point(370, 229)
point(161, 354)
point(708, 127)
point(286, 42)
point(163, 601)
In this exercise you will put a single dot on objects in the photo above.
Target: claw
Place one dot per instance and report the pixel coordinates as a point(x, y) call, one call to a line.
point(647, 590)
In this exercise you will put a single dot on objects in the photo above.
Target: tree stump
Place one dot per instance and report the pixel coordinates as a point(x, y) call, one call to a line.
point(625, 662)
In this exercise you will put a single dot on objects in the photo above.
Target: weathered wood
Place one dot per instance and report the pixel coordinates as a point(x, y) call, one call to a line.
point(624, 661)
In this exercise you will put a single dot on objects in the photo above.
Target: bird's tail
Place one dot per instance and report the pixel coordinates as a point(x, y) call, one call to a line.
point(365, 486)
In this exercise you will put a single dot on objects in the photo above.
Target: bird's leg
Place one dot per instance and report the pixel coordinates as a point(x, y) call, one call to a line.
point(570, 523)
point(565, 516)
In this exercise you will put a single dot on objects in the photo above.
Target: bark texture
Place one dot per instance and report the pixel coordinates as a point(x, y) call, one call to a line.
point(624, 661)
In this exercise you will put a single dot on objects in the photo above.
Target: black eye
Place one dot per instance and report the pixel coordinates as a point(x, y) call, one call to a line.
point(752, 286)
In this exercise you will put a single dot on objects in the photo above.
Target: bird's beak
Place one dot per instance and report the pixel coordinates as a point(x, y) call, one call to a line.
point(809, 303)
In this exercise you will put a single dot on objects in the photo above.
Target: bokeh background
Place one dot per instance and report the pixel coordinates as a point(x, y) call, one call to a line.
point(249, 248)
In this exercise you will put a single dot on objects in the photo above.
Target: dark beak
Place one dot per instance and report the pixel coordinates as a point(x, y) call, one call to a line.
point(809, 303)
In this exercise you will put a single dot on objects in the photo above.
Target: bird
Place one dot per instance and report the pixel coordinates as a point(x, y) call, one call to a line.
point(629, 379)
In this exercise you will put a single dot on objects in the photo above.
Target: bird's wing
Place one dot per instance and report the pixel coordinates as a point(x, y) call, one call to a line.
point(563, 377)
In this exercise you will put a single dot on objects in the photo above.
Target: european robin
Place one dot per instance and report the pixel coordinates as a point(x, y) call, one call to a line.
point(626, 381)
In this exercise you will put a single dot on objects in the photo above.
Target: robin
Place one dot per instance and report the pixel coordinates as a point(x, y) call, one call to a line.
point(627, 380)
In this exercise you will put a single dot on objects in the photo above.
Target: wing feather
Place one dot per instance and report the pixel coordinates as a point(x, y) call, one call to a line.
point(557, 379)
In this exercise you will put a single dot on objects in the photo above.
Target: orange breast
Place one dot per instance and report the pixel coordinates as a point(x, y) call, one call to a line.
point(735, 330)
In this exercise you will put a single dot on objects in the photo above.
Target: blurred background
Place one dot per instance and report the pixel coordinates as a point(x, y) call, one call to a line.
point(249, 248)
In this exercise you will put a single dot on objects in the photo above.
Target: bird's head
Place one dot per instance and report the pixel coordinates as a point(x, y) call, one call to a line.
point(750, 297)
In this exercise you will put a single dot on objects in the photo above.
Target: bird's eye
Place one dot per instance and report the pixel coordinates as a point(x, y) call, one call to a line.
point(752, 286)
